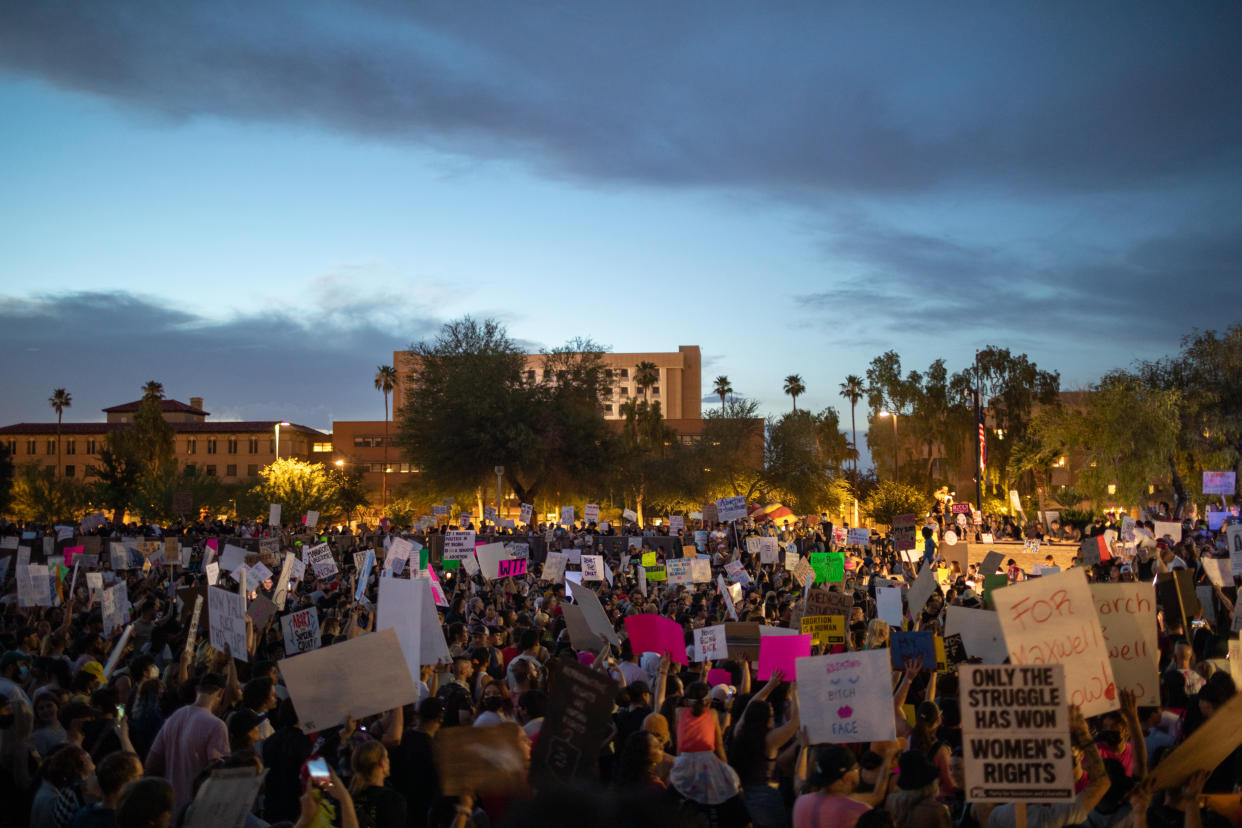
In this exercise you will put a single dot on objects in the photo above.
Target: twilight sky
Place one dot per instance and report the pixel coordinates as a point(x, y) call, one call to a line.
point(257, 203)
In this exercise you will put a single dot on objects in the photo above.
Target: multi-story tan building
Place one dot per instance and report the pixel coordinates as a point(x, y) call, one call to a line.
point(228, 450)
point(678, 386)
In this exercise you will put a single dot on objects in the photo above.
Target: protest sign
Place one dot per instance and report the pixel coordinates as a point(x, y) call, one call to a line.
point(803, 572)
point(1175, 593)
point(525, 512)
point(827, 602)
point(232, 557)
point(980, 631)
point(676, 523)
point(592, 567)
point(398, 555)
point(567, 515)
point(1203, 749)
point(858, 537)
point(1053, 620)
point(1218, 570)
point(792, 558)
point(576, 724)
point(847, 697)
point(212, 570)
point(1094, 550)
point(227, 619)
point(273, 514)
point(1015, 733)
point(1127, 614)
point(723, 589)
point(656, 634)
point(769, 550)
point(743, 640)
point(1220, 483)
point(321, 562)
point(355, 678)
point(736, 571)
point(458, 544)
point(710, 643)
point(912, 645)
point(752, 545)
point(300, 631)
point(1171, 528)
point(481, 760)
point(510, 567)
point(678, 571)
point(730, 508)
point(580, 635)
point(780, 652)
point(489, 556)
point(824, 629)
point(991, 563)
point(991, 583)
point(260, 611)
point(407, 607)
point(554, 567)
point(655, 573)
point(1233, 537)
point(590, 513)
point(922, 588)
point(701, 571)
point(903, 532)
point(595, 615)
point(888, 605)
point(225, 799)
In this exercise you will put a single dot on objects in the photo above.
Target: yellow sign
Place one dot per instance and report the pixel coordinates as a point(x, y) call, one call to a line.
point(649, 559)
point(824, 629)
point(690, 551)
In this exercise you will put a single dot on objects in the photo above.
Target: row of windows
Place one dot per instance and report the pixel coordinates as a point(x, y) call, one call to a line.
point(394, 468)
point(609, 373)
point(69, 446)
point(366, 440)
point(625, 392)
point(212, 445)
point(230, 470)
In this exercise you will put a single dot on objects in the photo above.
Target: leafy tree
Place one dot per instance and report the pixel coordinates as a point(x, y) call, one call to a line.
point(727, 450)
point(350, 495)
point(39, 496)
point(119, 472)
point(891, 498)
point(649, 462)
point(298, 487)
point(153, 389)
point(154, 494)
point(722, 388)
point(795, 387)
point(853, 390)
point(385, 381)
point(803, 454)
point(1126, 431)
point(471, 406)
point(60, 400)
point(150, 440)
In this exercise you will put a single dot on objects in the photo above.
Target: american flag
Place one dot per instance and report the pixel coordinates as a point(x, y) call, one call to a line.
point(983, 450)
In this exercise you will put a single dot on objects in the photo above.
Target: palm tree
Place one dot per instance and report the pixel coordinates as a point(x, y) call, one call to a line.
point(645, 376)
point(60, 400)
point(385, 381)
point(153, 389)
point(794, 387)
point(853, 390)
point(723, 388)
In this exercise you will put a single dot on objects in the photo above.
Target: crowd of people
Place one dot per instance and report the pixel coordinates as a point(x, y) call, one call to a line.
point(126, 726)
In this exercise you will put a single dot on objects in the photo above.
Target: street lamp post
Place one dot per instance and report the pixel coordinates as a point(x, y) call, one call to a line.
point(896, 468)
point(278, 425)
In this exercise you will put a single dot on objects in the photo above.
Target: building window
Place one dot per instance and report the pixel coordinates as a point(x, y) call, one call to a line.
point(11, 445)
point(625, 373)
point(71, 447)
point(69, 471)
point(51, 447)
point(378, 468)
point(606, 409)
point(190, 468)
point(253, 445)
point(32, 446)
point(252, 470)
point(232, 445)
point(530, 376)
point(211, 471)
point(322, 448)
point(211, 446)
point(368, 440)
point(607, 392)
point(191, 446)
point(90, 446)
point(230, 470)
point(655, 389)
point(625, 392)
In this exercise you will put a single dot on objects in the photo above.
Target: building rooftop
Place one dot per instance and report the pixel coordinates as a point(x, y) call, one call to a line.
point(167, 406)
point(219, 427)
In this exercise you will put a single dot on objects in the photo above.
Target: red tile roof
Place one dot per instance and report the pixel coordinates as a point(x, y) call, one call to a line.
point(175, 406)
point(221, 427)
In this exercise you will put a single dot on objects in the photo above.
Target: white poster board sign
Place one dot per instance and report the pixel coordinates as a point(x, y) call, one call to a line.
point(980, 631)
point(300, 631)
point(730, 508)
point(1053, 620)
point(353, 679)
point(1015, 734)
point(407, 607)
point(847, 697)
point(458, 544)
point(227, 612)
point(1127, 615)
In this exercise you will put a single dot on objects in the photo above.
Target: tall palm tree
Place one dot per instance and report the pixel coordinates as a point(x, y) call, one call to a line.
point(794, 387)
point(723, 388)
point(385, 381)
point(645, 376)
point(60, 400)
point(853, 389)
point(153, 389)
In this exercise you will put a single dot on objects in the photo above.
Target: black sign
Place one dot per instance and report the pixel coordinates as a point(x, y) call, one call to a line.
point(576, 724)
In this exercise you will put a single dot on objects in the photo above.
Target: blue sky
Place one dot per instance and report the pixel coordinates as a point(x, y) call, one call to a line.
point(257, 204)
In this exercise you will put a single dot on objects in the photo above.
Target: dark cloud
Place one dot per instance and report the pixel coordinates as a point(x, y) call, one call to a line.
point(1140, 301)
point(801, 100)
point(310, 368)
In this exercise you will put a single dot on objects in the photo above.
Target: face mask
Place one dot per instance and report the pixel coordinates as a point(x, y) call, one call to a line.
point(23, 673)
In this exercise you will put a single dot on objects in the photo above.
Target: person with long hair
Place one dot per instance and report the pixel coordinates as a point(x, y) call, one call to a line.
point(637, 767)
point(375, 804)
point(914, 804)
point(753, 753)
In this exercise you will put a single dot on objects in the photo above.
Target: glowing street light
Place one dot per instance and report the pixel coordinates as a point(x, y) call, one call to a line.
point(278, 425)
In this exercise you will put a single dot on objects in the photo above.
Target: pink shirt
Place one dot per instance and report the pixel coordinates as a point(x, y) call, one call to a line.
point(189, 739)
point(816, 810)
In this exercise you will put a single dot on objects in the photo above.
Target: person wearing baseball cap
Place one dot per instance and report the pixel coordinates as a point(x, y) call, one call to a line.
point(832, 801)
